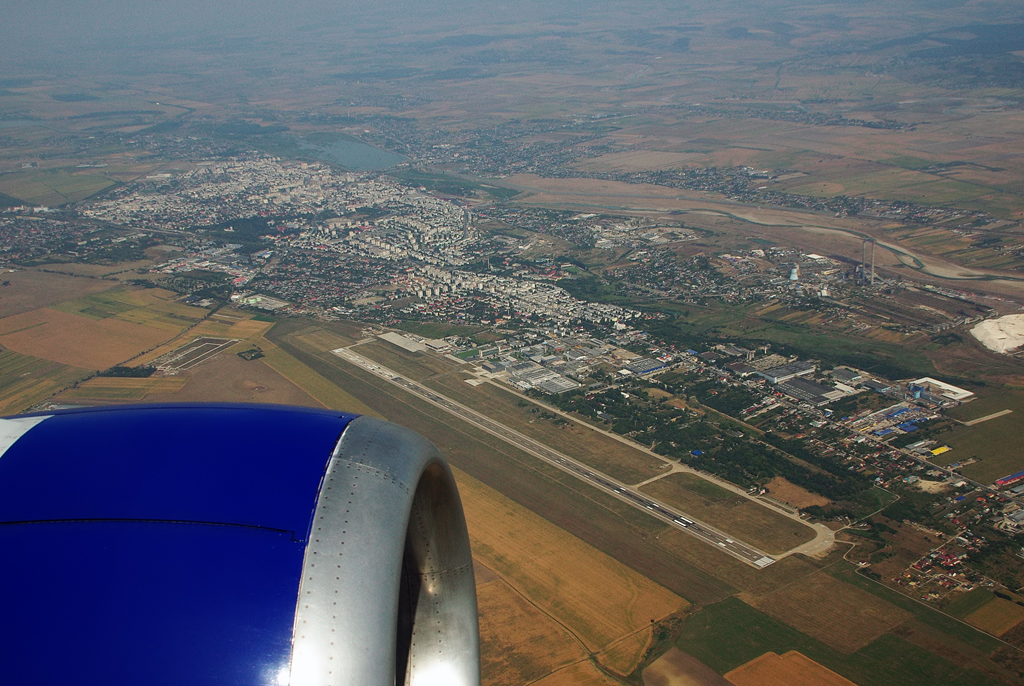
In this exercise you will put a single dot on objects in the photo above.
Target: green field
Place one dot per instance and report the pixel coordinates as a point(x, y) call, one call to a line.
point(989, 401)
point(53, 186)
point(994, 443)
point(731, 633)
point(899, 184)
point(317, 386)
point(909, 162)
point(144, 307)
point(969, 602)
point(27, 380)
point(99, 306)
point(439, 329)
point(732, 513)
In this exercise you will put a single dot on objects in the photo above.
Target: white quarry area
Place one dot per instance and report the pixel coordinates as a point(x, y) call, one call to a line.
point(1003, 335)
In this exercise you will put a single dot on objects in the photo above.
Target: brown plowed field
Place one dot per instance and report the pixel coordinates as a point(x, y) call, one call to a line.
point(780, 489)
point(676, 668)
point(30, 290)
point(580, 674)
point(518, 642)
point(836, 613)
point(76, 340)
point(791, 669)
point(599, 599)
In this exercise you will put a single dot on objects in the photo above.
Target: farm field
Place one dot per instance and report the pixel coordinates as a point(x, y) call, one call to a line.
point(676, 668)
point(228, 378)
point(31, 289)
point(997, 616)
point(579, 674)
point(26, 380)
point(247, 331)
point(78, 340)
point(99, 330)
point(518, 642)
point(274, 378)
point(958, 636)
point(152, 306)
point(121, 271)
point(839, 615)
point(711, 636)
point(969, 602)
point(53, 186)
point(623, 656)
point(730, 512)
point(638, 160)
point(612, 457)
point(896, 184)
point(781, 489)
point(598, 598)
point(791, 669)
point(98, 390)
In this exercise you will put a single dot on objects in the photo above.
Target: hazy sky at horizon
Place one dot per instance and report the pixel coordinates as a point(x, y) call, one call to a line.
point(49, 31)
point(102, 18)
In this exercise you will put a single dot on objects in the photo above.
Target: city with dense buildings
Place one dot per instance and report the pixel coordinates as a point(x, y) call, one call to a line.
point(337, 245)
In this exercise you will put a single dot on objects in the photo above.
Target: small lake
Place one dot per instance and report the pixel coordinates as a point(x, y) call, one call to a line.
point(353, 155)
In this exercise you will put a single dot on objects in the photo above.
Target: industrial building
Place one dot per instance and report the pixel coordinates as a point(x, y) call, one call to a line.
point(846, 375)
point(788, 371)
point(644, 365)
point(809, 391)
point(878, 386)
point(741, 369)
point(532, 375)
point(938, 388)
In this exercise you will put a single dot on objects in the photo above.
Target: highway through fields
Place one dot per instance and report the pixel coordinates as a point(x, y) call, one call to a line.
point(680, 520)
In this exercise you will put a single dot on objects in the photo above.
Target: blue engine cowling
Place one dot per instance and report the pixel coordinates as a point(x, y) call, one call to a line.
point(224, 544)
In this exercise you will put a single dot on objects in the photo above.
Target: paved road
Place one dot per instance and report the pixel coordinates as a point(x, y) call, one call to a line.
point(708, 534)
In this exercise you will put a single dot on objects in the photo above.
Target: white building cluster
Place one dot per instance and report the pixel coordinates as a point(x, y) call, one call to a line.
point(550, 303)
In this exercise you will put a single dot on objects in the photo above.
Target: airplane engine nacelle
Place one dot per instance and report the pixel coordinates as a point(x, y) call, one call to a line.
point(231, 545)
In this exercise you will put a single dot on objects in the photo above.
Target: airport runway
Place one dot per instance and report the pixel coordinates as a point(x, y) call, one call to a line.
point(696, 528)
point(196, 352)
